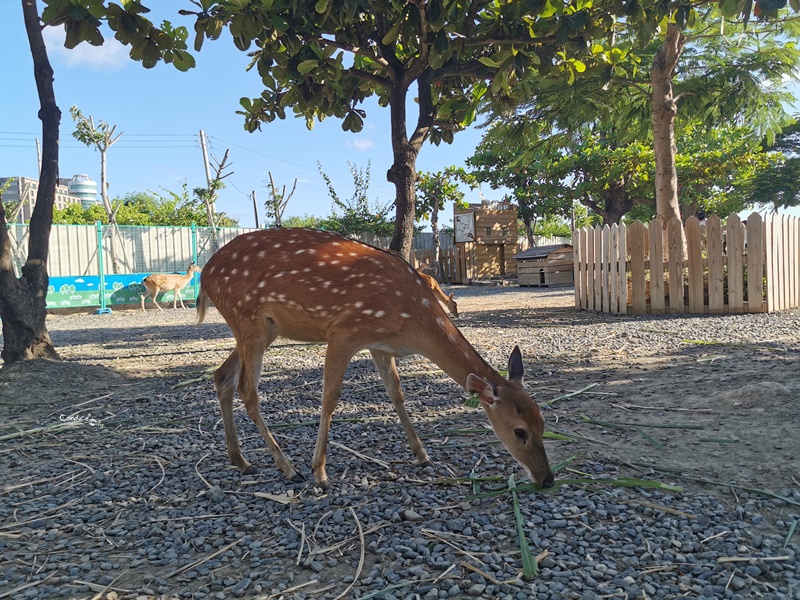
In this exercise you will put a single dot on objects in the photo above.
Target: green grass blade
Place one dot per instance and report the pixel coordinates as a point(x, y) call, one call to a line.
point(791, 533)
point(530, 568)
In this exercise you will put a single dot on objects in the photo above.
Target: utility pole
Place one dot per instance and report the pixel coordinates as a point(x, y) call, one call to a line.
point(255, 209)
point(39, 158)
point(205, 158)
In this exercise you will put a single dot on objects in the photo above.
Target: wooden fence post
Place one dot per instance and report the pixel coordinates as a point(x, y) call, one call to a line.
point(622, 268)
point(657, 294)
point(694, 251)
point(716, 289)
point(756, 232)
point(613, 268)
point(734, 246)
point(638, 291)
point(675, 237)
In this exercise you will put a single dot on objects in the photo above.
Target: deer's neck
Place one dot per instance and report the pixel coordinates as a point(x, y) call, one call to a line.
point(454, 355)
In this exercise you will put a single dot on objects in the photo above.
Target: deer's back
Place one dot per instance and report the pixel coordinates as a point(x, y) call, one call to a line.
point(316, 284)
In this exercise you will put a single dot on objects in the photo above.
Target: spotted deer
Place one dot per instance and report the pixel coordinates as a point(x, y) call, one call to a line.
point(316, 286)
point(448, 301)
point(162, 282)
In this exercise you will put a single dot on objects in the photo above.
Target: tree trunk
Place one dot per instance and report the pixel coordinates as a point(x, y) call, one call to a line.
point(665, 109)
point(23, 301)
point(528, 225)
point(616, 203)
point(437, 252)
point(403, 172)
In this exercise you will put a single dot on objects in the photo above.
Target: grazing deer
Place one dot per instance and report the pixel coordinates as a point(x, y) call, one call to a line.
point(316, 286)
point(161, 282)
point(448, 301)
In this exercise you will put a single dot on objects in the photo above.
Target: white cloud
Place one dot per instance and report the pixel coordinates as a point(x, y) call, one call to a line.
point(110, 56)
point(361, 144)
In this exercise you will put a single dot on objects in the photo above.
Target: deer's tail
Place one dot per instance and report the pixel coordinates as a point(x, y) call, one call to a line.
point(202, 305)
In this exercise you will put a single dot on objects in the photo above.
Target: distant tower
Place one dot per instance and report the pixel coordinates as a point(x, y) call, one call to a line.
point(85, 189)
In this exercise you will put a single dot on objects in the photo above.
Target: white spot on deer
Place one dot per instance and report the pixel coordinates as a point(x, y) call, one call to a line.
point(379, 314)
point(366, 312)
point(359, 285)
point(226, 278)
point(334, 262)
point(358, 304)
point(307, 270)
point(234, 271)
point(279, 275)
point(235, 255)
point(293, 272)
point(261, 284)
point(439, 322)
point(353, 254)
point(419, 281)
point(321, 263)
point(426, 302)
point(335, 291)
point(276, 245)
point(398, 293)
point(282, 297)
point(312, 289)
point(326, 284)
point(238, 303)
point(335, 244)
point(405, 315)
point(300, 251)
point(246, 273)
point(262, 254)
point(345, 268)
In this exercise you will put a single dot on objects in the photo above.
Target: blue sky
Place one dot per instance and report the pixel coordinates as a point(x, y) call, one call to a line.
point(161, 110)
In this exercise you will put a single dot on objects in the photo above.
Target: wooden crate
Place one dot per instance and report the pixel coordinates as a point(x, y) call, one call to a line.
point(545, 266)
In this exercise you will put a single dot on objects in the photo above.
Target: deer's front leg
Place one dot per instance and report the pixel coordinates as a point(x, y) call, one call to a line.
point(391, 380)
point(337, 358)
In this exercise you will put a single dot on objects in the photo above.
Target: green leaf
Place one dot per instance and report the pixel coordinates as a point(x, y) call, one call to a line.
point(321, 7)
point(305, 67)
point(484, 60)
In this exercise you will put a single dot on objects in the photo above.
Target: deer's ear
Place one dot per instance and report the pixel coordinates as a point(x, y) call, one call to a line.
point(515, 368)
point(482, 389)
point(451, 295)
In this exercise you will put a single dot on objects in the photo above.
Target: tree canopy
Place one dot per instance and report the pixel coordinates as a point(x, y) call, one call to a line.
point(324, 58)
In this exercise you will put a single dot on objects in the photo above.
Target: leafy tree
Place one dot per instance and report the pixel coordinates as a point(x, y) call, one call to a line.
point(102, 137)
point(719, 79)
point(780, 184)
point(145, 208)
point(434, 191)
point(356, 214)
point(307, 221)
point(512, 155)
point(324, 58)
point(277, 201)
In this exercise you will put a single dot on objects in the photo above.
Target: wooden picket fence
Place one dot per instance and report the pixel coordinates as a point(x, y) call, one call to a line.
point(455, 263)
point(705, 268)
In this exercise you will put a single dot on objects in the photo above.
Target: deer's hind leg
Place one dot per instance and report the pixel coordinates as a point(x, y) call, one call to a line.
point(391, 381)
point(251, 345)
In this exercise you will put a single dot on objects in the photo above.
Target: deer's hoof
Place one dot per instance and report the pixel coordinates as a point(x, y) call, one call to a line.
point(250, 470)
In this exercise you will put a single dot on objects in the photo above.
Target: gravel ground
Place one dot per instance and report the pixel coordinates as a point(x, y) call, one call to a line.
point(116, 483)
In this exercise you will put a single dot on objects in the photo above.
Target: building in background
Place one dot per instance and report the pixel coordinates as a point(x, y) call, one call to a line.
point(78, 190)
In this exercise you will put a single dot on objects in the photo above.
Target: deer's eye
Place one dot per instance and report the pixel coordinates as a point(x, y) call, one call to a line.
point(521, 434)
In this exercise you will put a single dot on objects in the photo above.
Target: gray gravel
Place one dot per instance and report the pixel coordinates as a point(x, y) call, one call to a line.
point(147, 506)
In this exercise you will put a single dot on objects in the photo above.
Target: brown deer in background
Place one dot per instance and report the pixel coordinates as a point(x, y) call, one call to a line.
point(316, 286)
point(161, 282)
point(448, 301)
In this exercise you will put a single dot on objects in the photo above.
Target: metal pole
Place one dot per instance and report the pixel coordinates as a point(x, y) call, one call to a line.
point(255, 210)
point(195, 277)
point(103, 310)
point(205, 158)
